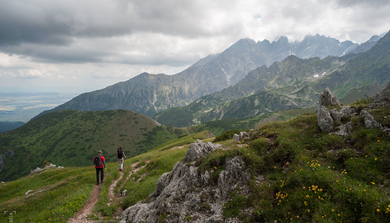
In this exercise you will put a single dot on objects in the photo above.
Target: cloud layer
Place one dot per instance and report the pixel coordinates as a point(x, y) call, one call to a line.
point(48, 45)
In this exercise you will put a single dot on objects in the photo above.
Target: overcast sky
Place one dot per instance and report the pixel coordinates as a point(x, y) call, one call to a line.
point(80, 46)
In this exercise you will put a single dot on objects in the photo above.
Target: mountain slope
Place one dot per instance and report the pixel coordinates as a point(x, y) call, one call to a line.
point(72, 138)
point(149, 94)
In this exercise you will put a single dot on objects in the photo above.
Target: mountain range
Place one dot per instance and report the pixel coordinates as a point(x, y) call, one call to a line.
point(149, 94)
point(292, 83)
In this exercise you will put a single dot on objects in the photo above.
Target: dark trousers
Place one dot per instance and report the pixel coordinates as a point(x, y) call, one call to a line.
point(97, 175)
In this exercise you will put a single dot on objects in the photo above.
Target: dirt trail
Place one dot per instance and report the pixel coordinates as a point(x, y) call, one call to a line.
point(82, 215)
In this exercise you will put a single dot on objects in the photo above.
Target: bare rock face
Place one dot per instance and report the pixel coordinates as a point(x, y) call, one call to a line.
point(382, 98)
point(324, 118)
point(186, 192)
point(327, 98)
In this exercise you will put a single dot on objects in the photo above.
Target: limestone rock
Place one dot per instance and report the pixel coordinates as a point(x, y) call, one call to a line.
point(185, 191)
point(198, 150)
point(327, 98)
point(369, 121)
point(324, 118)
point(236, 138)
point(234, 171)
point(124, 193)
point(28, 192)
point(36, 170)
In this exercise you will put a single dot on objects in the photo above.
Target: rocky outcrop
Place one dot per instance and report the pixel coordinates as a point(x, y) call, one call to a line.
point(188, 193)
point(327, 98)
point(382, 98)
point(327, 118)
point(9, 154)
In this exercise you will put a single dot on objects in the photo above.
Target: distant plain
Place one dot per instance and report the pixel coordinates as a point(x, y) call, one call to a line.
point(24, 106)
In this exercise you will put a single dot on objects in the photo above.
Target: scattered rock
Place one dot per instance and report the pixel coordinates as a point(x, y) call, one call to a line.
point(186, 192)
point(37, 170)
point(60, 167)
point(124, 193)
point(28, 192)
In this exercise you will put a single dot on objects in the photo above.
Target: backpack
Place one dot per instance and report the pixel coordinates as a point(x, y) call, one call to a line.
point(120, 154)
point(97, 161)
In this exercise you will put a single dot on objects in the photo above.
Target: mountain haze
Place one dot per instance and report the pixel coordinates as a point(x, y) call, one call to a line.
point(149, 94)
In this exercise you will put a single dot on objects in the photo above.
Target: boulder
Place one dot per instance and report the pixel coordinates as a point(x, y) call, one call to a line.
point(236, 138)
point(324, 118)
point(124, 193)
point(369, 121)
point(327, 98)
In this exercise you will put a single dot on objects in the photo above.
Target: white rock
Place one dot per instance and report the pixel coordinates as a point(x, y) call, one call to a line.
point(28, 192)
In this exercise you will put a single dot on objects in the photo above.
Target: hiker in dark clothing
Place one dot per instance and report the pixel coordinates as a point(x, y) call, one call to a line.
point(99, 162)
point(120, 154)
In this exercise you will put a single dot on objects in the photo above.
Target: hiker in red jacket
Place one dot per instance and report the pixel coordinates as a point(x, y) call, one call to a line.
point(99, 162)
point(120, 155)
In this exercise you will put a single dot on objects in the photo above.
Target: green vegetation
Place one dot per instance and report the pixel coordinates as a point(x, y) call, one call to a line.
point(72, 138)
point(298, 174)
point(220, 126)
point(312, 176)
point(57, 194)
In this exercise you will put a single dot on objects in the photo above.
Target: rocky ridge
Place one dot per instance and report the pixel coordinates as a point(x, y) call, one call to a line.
point(187, 193)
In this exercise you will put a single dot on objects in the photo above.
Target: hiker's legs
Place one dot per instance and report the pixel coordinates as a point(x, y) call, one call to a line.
point(97, 175)
point(120, 162)
point(102, 169)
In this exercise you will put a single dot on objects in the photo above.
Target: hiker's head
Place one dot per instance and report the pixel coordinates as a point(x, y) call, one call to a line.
point(100, 153)
point(120, 148)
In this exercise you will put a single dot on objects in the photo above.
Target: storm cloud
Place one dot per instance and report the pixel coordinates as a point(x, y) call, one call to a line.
point(62, 43)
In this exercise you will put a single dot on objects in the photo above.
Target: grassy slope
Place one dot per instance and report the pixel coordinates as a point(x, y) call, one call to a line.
point(309, 176)
point(68, 189)
point(71, 138)
point(220, 126)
